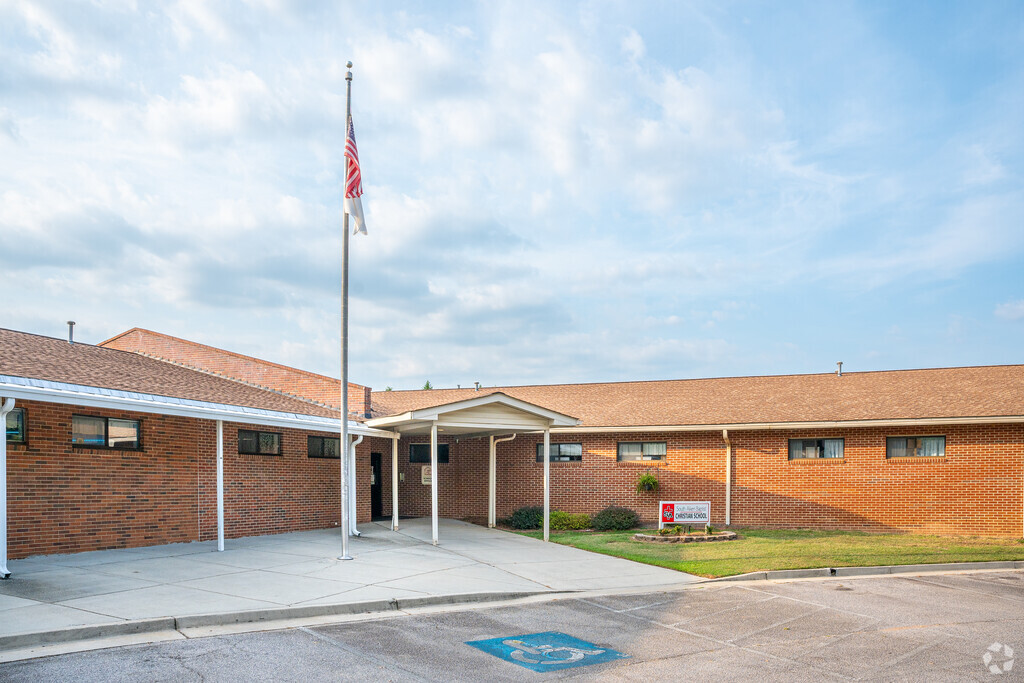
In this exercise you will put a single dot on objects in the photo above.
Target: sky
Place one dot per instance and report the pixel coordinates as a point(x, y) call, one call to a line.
point(554, 192)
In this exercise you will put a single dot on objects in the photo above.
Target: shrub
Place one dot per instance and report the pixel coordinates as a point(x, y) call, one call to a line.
point(529, 517)
point(566, 520)
point(614, 518)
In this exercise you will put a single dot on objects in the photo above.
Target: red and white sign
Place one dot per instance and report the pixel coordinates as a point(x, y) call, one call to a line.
point(684, 512)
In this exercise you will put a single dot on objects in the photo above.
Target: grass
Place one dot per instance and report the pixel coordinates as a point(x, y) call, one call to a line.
point(760, 550)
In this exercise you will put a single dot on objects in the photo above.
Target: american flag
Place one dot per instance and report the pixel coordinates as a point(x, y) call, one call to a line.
point(353, 181)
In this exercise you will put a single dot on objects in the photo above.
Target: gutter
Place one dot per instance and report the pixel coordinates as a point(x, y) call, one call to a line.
point(769, 426)
point(98, 397)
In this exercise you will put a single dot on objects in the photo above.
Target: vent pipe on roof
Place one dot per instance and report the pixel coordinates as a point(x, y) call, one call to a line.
point(839, 365)
point(477, 385)
point(71, 332)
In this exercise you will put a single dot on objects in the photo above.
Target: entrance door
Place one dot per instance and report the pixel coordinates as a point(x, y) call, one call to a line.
point(376, 487)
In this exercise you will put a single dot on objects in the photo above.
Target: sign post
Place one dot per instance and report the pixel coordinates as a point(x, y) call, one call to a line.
point(684, 512)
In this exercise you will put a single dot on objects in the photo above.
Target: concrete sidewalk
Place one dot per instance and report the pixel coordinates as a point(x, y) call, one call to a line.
point(285, 571)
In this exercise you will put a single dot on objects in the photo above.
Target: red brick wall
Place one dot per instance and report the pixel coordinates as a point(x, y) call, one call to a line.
point(63, 499)
point(260, 372)
point(978, 487)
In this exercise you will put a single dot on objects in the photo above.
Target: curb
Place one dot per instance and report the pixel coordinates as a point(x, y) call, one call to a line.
point(837, 572)
point(140, 626)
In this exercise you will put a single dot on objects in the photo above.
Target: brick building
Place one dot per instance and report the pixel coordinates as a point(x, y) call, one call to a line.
point(116, 446)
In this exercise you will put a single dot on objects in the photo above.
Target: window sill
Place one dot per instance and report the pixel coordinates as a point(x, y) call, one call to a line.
point(918, 459)
point(641, 463)
point(560, 462)
point(104, 449)
point(817, 461)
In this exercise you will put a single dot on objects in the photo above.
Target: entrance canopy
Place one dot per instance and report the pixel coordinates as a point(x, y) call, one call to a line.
point(488, 415)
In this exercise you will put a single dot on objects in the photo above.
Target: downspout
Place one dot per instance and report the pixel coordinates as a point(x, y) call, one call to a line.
point(728, 477)
point(492, 481)
point(352, 486)
point(7, 407)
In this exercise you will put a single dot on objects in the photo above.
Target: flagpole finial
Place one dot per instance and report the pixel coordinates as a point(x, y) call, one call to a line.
point(348, 76)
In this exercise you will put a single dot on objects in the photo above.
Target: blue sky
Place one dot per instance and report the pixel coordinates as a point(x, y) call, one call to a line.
point(555, 192)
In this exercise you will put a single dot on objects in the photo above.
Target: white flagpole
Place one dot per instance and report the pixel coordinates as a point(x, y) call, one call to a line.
point(345, 526)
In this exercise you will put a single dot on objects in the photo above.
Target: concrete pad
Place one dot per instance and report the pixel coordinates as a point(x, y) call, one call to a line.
point(66, 583)
point(270, 587)
point(166, 569)
point(249, 558)
point(159, 601)
point(10, 602)
point(44, 617)
point(364, 594)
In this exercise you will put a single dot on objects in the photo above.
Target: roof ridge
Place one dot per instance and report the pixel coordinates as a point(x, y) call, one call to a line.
point(705, 379)
point(230, 353)
point(229, 378)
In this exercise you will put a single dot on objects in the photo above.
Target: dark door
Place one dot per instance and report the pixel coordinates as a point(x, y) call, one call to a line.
point(376, 487)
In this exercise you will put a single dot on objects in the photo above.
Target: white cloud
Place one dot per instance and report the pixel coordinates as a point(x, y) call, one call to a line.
point(1011, 310)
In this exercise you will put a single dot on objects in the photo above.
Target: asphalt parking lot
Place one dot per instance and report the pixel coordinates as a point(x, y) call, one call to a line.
point(933, 627)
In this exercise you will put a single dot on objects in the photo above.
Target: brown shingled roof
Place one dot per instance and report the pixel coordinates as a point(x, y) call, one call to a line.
point(46, 358)
point(989, 391)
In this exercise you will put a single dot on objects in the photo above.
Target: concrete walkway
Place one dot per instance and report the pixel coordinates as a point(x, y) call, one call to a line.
point(49, 593)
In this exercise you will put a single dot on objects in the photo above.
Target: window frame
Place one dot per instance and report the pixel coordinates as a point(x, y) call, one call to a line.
point(106, 433)
point(819, 448)
point(443, 454)
point(915, 454)
point(661, 458)
point(259, 433)
point(309, 449)
point(556, 455)
point(24, 428)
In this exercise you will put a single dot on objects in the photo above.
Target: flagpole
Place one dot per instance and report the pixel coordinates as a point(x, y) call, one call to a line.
point(344, 447)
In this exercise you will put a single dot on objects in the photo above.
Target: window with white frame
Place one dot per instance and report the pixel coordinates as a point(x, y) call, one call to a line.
point(915, 446)
point(802, 449)
point(324, 447)
point(641, 450)
point(562, 452)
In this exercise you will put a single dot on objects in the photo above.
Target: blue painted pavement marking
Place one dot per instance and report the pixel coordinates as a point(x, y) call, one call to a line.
point(548, 651)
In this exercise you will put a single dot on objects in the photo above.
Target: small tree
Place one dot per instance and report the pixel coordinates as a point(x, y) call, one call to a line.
point(427, 385)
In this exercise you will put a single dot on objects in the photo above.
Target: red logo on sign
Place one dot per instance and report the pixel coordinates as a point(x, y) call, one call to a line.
point(668, 512)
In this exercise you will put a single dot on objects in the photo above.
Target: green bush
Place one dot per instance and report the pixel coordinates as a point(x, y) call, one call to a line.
point(563, 521)
point(529, 517)
point(614, 518)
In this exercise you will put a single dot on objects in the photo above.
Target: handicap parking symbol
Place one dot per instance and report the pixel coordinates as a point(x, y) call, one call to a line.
point(548, 651)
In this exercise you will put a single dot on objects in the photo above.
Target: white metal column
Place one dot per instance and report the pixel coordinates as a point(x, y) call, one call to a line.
point(433, 481)
point(728, 477)
point(220, 485)
point(492, 486)
point(353, 491)
point(547, 482)
point(394, 482)
point(8, 406)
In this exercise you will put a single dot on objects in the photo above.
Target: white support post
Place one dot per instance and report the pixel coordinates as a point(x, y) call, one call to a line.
point(547, 482)
point(492, 487)
point(394, 482)
point(220, 486)
point(433, 482)
point(728, 477)
point(353, 480)
point(5, 408)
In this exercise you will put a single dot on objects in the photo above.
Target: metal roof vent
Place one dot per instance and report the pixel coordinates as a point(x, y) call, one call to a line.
point(71, 332)
point(839, 368)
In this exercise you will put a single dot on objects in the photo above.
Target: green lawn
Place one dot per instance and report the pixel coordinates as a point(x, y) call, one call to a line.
point(759, 550)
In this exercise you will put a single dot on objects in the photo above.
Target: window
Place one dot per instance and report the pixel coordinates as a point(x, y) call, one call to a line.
point(915, 446)
point(258, 443)
point(646, 450)
point(561, 452)
point(16, 426)
point(800, 449)
point(104, 432)
point(420, 452)
point(324, 447)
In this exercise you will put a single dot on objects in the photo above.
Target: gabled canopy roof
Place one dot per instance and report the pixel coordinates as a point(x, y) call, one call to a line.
point(493, 413)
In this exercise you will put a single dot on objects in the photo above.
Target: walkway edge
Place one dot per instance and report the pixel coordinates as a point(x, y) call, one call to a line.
point(837, 572)
point(141, 626)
